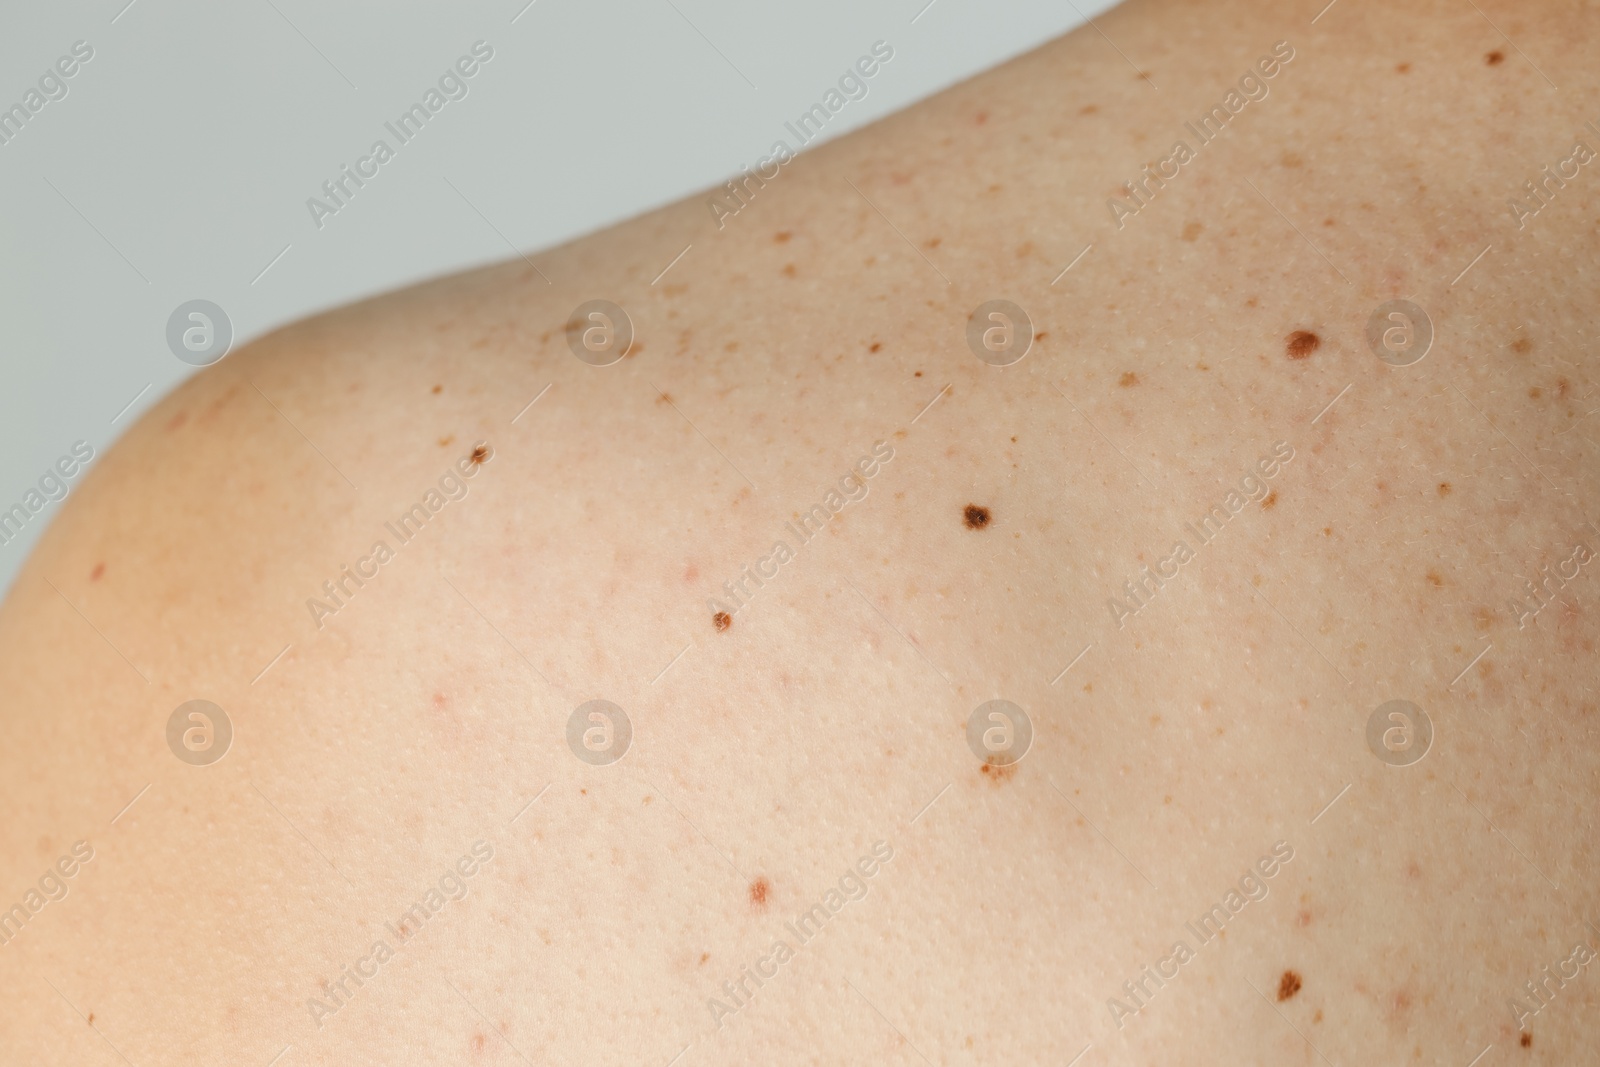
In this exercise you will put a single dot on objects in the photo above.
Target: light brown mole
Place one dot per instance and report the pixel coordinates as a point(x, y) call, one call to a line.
point(758, 891)
point(1301, 343)
point(1128, 379)
point(1269, 501)
point(1444, 488)
point(721, 620)
point(782, 236)
point(1495, 57)
point(976, 517)
point(1288, 985)
point(99, 569)
point(480, 453)
point(438, 389)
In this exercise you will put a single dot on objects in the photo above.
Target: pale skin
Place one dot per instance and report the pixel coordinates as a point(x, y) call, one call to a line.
point(1174, 746)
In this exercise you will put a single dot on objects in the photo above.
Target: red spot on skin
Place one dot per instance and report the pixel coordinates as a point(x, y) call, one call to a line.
point(1495, 58)
point(1301, 343)
point(1288, 985)
point(721, 620)
point(976, 517)
point(438, 700)
point(99, 569)
point(1304, 918)
point(1269, 501)
point(758, 891)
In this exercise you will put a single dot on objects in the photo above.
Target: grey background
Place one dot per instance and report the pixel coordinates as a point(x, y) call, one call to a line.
point(179, 163)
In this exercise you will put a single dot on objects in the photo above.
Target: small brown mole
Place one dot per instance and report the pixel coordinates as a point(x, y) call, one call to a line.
point(1128, 379)
point(1301, 343)
point(721, 620)
point(781, 236)
point(438, 389)
point(997, 772)
point(445, 442)
point(788, 270)
point(875, 346)
point(1403, 68)
point(758, 891)
point(99, 569)
point(1527, 1039)
point(1192, 231)
point(917, 375)
point(1269, 501)
point(976, 517)
point(1444, 488)
point(1288, 985)
point(480, 453)
point(91, 1018)
point(1495, 58)
point(704, 956)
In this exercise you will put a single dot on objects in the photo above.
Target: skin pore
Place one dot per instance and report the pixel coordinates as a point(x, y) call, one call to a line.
point(799, 773)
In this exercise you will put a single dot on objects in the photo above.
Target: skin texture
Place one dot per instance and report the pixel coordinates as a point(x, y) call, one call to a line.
point(830, 712)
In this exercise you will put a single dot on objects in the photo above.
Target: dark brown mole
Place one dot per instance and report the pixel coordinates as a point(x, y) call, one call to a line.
point(1527, 1039)
point(875, 346)
point(99, 569)
point(721, 620)
point(758, 891)
point(1301, 344)
point(1288, 985)
point(1444, 488)
point(977, 517)
point(1494, 57)
point(479, 454)
point(1269, 501)
point(438, 389)
point(917, 375)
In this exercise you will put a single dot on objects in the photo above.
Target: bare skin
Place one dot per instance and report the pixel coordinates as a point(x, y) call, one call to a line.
point(826, 709)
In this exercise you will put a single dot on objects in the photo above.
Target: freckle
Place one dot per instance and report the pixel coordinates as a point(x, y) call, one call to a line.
point(976, 517)
point(1192, 231)
point(1252, 302)
point(1521, 345)
point(781, 236)
point(1041, 335)
point(981, 117)
point(758, 891)
point(1494, 58)
point(1288, 985)
point(997, 772)
point(647, 801)
point(1444, 488)
point(1025, 249)
point(583, 792)
point(1527, 1039)
point(1535, 393)
point(935, 242)
point(91, 1018)
point(1434, 579)
point(178, 420)
point(721, 620)
point(1317, 1018)
point(438, 389)
point(1403, 68)
point(478, 1042)
point(917, 375)
point(704, 956)
point(731, 346)
point(444, 442)
point(633, 350)
point(1088, 109)
point(1291, 159)
point(438, 700)
point(663, 398)
point(1269, 501)
point(99, 569)
point(1013, 440)
point(1327, 531)
point(1304, 918)
point(1301, 343)
point(1327, 222)
point(1128, 379)
point(1562, 387)
point(875, 346)
point(788, 270)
